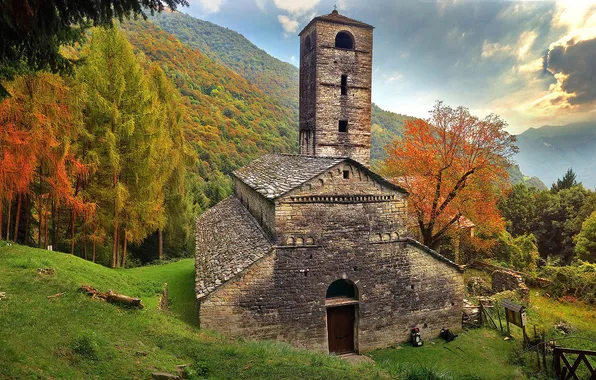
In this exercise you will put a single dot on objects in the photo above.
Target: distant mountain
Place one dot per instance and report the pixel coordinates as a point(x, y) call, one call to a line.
point(548, 152)
point(275, 78)
point(229, 121)
point(272, 76)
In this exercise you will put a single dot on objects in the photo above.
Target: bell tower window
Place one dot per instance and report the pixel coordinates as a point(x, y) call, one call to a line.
point(344, 84)
point(343, 126)
point(344, 40)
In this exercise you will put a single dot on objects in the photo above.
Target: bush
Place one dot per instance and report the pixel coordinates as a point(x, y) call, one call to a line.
point(86, 345)
point(578, 280)
point(196, 371)
point(521, 252)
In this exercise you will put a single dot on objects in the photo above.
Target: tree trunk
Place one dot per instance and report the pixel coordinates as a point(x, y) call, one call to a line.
point(16, 223)
point(72, 232)
point(94, 240)
point(8, 220)
point(1, 206)
point(85, 245)
point(46, 230)
point(160, 244)
point(27, 220)
point(54, 229)
point(115, 247)
point(123, 248)
point(40, 224)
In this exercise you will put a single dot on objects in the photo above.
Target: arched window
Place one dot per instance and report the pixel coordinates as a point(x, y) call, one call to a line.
point(307, 44)
point(344, 40)
point(342, 289)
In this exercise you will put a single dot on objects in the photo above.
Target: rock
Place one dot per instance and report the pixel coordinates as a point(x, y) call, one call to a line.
point(2, 295)
point(163, 376)
point(48, 271)
point(477, 287)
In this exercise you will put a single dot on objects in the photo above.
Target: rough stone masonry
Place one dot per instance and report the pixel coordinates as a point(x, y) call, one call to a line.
point(312, 249)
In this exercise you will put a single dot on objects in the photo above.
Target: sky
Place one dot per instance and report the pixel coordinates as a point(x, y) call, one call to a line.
point(531, 62)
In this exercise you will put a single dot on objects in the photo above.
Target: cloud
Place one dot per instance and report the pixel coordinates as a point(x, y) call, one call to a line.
point(211, 6)
point(262, 5)
point(290, 25)
point(296, 7)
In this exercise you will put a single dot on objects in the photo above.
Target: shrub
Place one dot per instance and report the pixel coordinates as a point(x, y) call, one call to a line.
point(198, 370)
point(578, 280)
point(521, 252)
point(85, 345)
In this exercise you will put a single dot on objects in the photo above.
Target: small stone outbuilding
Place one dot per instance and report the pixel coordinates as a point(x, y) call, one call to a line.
point(312, 249)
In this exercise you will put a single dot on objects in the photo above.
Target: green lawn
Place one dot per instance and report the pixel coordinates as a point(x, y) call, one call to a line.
point(180, 277)
point(74, 336)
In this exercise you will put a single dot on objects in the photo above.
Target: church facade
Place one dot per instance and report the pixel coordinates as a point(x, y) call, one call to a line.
point(312, 249)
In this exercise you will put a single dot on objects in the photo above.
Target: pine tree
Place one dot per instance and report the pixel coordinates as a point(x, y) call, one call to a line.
point(567, 182)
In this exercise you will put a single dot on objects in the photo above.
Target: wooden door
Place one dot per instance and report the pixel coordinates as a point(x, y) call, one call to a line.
point(340, 328)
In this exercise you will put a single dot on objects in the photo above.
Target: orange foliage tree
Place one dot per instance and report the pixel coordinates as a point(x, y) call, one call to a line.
point(38, 124)
point(453, 164)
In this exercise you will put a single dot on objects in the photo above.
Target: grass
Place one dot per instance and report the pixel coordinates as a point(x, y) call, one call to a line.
point(76, 337)
point(474, 354)
point(180, 277)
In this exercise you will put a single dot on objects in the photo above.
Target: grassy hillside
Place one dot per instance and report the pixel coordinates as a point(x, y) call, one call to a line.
point(76, 337)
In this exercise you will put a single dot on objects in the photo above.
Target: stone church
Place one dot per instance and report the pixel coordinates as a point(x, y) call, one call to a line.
point(312, 248)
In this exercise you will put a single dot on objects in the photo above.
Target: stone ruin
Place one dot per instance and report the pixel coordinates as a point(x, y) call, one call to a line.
point(503, 280)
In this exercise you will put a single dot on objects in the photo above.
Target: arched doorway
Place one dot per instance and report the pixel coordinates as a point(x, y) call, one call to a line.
point(341, 300)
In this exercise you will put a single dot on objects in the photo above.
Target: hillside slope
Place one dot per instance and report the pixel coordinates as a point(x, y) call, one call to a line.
point(548, 152)
point(229, 121)
point(76, 337)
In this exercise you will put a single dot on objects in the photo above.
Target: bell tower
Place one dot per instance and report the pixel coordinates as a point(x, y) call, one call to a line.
point(335, 88)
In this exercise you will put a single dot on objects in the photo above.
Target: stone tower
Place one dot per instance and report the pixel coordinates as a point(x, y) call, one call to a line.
point(335, 88)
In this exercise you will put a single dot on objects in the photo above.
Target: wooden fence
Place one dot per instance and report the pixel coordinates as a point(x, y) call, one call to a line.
point(565, 370)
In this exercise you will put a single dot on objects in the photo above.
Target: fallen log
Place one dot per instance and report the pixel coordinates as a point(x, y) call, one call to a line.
point(112, 297)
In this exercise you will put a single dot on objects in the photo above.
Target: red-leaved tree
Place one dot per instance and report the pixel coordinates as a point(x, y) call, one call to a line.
point(453, 164)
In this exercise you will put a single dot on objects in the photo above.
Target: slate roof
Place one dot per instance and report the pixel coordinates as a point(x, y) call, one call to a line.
point(335, 17)
point(273, 175)
point(228, 240)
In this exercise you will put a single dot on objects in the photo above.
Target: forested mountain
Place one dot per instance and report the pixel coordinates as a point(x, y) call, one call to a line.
point(274, 77)
point(548, 152)
point(229, 120)
point(386, 126)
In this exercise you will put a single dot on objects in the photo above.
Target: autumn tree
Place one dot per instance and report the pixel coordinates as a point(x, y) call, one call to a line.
point(453, 165)
point(120, 121)
point(36, 157)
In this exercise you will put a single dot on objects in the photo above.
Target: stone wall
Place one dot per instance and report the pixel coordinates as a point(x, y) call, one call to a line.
point(260, 207)
point(321, 103)
point(358, 207)
point(282, 296)
point(503, 280)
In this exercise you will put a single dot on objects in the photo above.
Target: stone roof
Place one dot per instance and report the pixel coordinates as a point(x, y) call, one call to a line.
point(273, 175)
point(336, 18)
point(228, 240)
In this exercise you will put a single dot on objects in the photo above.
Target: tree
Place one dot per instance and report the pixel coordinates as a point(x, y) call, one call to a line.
point(453, 164)
point(33, 30)
point(567, 182)
point(519, 210)
point(585, 242)
point(119, 125)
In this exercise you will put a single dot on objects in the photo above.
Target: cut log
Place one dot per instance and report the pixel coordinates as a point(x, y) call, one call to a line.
point(112, 297)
